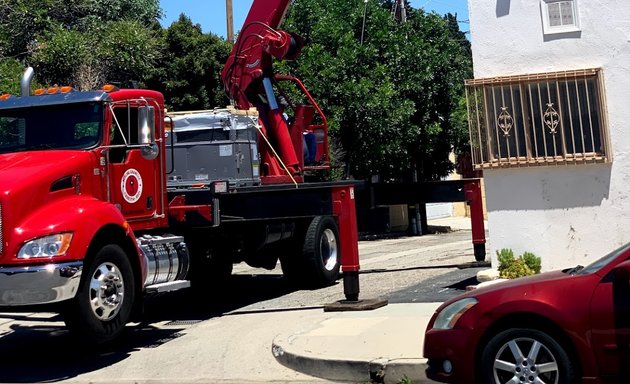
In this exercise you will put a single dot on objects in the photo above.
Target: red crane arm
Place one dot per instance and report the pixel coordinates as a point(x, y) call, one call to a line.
point(258, 41)
point(248, 79)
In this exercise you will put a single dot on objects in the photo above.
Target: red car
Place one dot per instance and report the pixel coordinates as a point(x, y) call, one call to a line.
point(569, 326)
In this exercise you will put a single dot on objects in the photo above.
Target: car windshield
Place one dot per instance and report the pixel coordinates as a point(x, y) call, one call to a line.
point(598, 264)
point(62, 126)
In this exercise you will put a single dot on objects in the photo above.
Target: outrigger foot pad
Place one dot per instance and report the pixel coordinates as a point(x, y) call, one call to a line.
point(358, 305)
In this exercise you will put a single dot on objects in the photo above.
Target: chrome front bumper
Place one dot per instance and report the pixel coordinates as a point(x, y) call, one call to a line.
point(40, 284)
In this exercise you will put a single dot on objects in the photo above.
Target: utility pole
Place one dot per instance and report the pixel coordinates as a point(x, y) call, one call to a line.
point(399, 11)
point(364, 16)
point(230, 21)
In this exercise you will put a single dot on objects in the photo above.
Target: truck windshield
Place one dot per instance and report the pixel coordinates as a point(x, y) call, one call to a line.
point(62, 126)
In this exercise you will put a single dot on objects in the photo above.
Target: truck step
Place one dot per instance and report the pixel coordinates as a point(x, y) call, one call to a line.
point(168, 287)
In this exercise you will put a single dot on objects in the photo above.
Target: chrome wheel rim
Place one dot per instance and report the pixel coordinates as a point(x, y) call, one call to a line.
point(328, 249)
point(107, 291)
point(525, 360)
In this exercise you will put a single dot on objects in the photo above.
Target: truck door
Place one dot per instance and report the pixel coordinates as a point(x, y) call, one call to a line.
point(134, 180)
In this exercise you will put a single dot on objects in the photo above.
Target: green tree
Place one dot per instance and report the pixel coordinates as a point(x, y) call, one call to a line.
point(82, 42)
point(189, 71)
point(391, 97)
point(21, 21)
point(10, 72)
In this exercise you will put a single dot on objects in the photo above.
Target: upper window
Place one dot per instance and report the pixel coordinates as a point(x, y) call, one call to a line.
point(542, 119)
point(559, 16)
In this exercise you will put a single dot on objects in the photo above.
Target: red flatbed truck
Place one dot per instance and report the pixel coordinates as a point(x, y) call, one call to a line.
point(90, 221)
point(93, 224)
point(94, 214)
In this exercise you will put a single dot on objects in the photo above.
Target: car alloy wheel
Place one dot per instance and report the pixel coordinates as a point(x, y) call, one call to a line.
point(523, 356)
point(525, 360)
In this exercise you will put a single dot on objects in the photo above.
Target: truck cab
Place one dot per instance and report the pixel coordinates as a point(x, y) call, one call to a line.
point(83, 204)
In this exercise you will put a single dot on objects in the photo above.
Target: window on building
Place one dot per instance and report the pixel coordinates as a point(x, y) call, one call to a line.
point(559, 16)
point(542, 119)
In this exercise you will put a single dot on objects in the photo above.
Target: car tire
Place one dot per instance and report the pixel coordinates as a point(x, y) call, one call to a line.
point(524, 355)
point(105, 298)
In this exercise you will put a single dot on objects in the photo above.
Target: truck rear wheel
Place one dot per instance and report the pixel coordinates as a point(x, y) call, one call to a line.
point(103, 304)
point(321, 257)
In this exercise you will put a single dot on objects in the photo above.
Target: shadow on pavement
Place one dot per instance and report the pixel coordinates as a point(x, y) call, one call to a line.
point(380, 235)
point(437, 289)
point(39, 348)
point(239, 291)
point(43, 350)
point(44, 353)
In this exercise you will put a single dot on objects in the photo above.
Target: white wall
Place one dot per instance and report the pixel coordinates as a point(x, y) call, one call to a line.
point(439, 210)
point(566, 214)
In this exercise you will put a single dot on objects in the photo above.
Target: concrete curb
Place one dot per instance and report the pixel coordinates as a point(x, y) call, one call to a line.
point(383, 345)
point(357, 371)
point(393, 371)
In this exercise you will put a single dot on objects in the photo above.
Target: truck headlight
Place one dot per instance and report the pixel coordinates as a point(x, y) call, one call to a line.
point(48, 246)
point(448, 317)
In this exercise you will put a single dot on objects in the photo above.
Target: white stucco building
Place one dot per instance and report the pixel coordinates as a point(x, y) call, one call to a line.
point(549, 111)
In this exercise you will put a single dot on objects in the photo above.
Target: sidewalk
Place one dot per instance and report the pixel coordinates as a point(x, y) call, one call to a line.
point(381, 345)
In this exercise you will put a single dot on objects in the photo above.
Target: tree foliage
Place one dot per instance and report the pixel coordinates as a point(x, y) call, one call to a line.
point(393, 92)
point(83, 42)
point(391, 89)
point(189, 71)
point(23, 21)
point(10, 72)
point(86, 43)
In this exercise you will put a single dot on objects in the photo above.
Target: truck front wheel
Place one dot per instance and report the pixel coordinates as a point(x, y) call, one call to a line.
point(103, 304)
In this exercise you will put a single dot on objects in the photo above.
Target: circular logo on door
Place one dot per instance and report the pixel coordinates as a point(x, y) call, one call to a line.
point(131, 186)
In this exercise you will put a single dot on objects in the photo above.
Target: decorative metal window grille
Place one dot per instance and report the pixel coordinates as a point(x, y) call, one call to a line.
point(541, 119)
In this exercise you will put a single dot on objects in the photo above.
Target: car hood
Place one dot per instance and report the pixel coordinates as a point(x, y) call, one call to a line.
point(550, 277)
point(523, 286)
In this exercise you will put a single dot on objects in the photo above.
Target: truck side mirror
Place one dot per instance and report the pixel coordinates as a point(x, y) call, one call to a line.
point(146, 132)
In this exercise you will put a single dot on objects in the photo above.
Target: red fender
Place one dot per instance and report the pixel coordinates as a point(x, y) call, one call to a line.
point(84, 216)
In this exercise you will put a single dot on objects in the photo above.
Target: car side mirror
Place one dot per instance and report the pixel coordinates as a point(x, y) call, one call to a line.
point(622, 271)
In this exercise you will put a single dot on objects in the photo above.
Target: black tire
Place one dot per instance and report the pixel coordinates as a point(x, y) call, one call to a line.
point(99, 312)
point(291, 261)
point(321, 257)
point(209, 267)
point(501, 362)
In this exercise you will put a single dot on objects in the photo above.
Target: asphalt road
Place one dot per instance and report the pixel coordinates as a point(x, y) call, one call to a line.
point(225, 336)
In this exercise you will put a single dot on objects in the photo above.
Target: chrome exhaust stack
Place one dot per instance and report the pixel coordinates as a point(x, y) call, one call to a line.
point(25, 83)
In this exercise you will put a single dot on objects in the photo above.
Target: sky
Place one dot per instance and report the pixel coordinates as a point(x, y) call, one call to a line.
point(210, 14)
